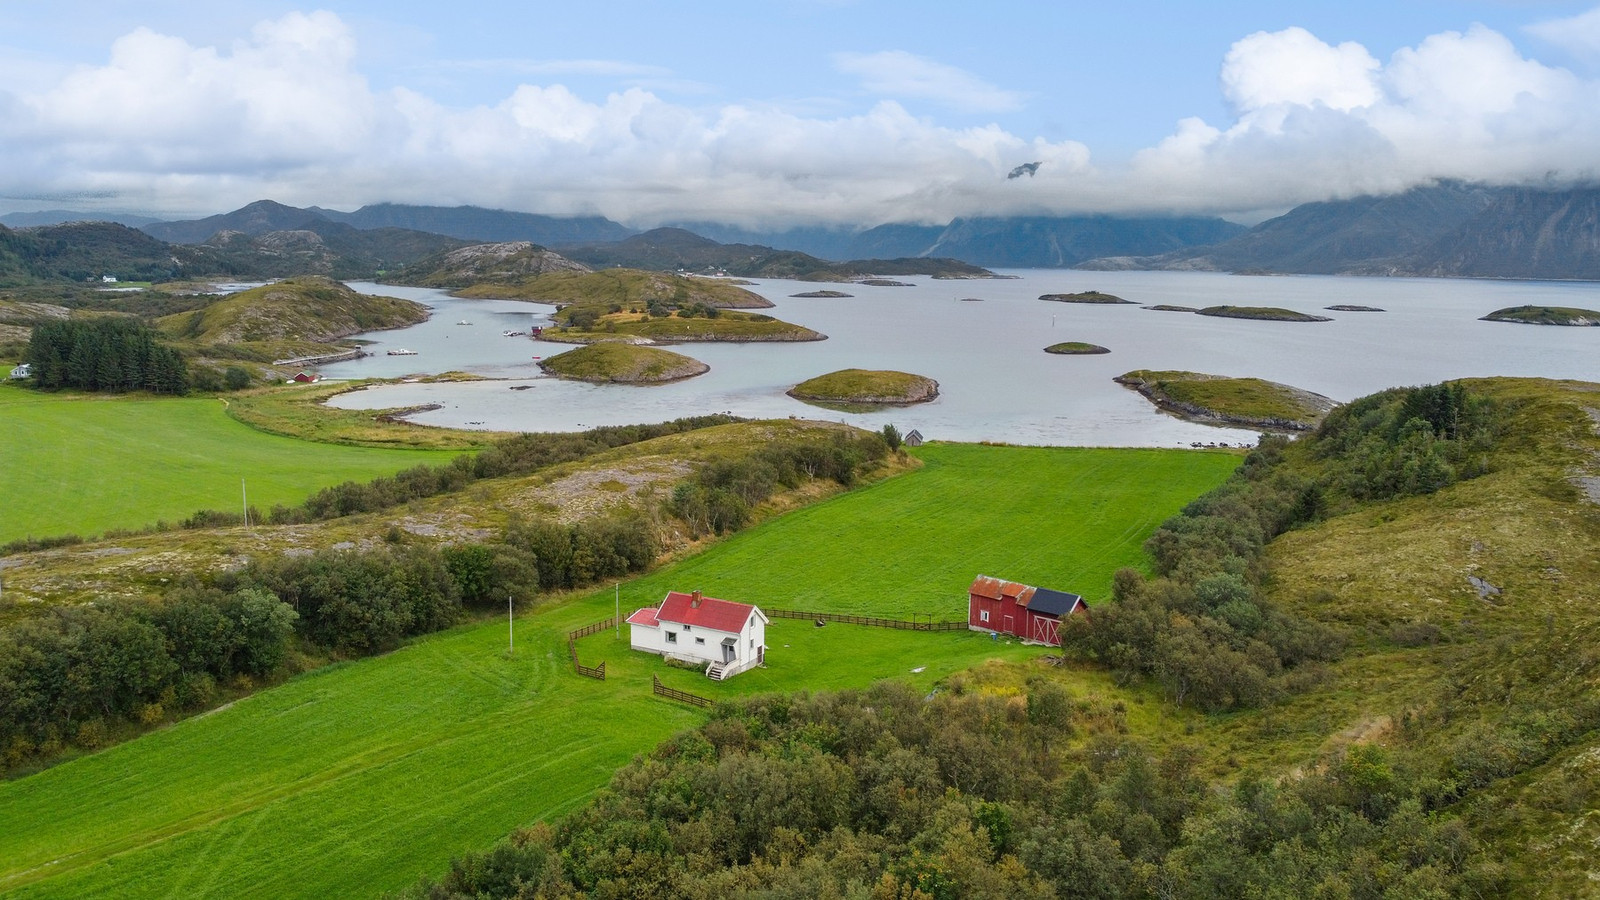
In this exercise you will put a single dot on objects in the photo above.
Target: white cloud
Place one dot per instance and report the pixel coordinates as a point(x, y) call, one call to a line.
point(1579, 35)
point(1293, 67)
point(1317, 121)
point(285, 113)
point(898, 74)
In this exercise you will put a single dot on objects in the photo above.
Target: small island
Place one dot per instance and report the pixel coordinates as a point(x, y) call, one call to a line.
point(1168, 307)
point(884, 282)
point(617, 363)
point(865, 389)
point(1349, 307)
point(1076, 348)
point(1085, 297)
point(1238, 402)
point(1265, 313)
point(829, 294)
point(1545, 315)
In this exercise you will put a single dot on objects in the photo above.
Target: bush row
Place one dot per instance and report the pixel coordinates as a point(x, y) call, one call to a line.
point(888, 794)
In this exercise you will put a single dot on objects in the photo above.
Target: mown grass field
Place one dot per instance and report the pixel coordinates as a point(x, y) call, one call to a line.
point(79, 464)
point(356, 779)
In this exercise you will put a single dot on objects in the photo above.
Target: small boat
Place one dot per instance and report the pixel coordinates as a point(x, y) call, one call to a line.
point(463, 322)
point(512, 333)
point(401, 351)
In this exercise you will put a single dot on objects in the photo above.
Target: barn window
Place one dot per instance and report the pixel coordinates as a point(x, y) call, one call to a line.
point(672, 638)
point(983, 615)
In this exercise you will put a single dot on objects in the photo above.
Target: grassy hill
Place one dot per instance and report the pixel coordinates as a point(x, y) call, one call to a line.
point(294, 317)
point(626, 287)
point(614, 362)
point(1251, 402)
point(357, 778)
point(484, 264)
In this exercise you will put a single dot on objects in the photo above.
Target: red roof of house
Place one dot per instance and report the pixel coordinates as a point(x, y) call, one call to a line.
point(994, 589)
point(646, 616)
point(718, 615)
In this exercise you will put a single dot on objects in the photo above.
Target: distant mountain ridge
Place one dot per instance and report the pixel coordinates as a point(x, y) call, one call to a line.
point(465, 223)
point(1452, 229)
point(675, 248)
point(1024, 242)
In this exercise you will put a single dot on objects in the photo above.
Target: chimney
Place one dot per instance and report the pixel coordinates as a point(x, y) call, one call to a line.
point(694, 600)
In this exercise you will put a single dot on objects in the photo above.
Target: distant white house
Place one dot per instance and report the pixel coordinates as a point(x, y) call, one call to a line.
point(728, 637)
point(108, 279)
point(23, 371)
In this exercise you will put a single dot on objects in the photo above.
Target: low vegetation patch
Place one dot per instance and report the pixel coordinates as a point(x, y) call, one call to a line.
point(1076, 348)
point(1268, 313)
point(301, 411)
point(1545, 315)
point(618, 363)
point(691, 324)
point(870, 387)
point(1250, 402)
point(887, 793)
point(1085, 297)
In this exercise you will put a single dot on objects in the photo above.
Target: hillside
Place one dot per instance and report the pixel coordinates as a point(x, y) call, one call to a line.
point(321, 248)
point(85, 251)
point(672, 249)
point(1014, 241)
point(295, 317)
point(624, 287)
point(464, 223)
point(1448, 229)
point(483, 264)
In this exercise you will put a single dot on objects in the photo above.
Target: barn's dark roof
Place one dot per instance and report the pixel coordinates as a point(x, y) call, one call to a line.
point(1053, 603)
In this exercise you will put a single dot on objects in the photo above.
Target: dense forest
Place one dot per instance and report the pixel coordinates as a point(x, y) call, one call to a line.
point(104, 354)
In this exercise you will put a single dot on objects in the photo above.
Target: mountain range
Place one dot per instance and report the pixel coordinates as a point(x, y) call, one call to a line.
point(1450, 229)
point(1446, 229)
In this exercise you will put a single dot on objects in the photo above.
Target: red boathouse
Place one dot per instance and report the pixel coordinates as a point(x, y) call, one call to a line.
point(1031, 613)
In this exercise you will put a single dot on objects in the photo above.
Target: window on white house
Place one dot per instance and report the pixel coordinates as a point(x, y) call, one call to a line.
point(672, 638)
point(685, 628)
point(699, 640)
point(983, 615)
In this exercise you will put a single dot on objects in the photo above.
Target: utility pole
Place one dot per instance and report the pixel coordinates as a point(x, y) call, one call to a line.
point(511, 628)
point(618, 616)
point(246, 497)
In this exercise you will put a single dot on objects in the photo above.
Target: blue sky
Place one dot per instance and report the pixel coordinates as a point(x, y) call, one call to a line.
point(787, 112)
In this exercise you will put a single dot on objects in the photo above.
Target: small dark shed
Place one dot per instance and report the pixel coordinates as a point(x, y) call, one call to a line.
point(914, 439)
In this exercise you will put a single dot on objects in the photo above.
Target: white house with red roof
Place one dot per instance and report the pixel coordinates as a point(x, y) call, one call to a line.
point(728, 637)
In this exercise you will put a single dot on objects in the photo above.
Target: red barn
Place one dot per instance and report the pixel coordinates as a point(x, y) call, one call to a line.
point(1031, 613)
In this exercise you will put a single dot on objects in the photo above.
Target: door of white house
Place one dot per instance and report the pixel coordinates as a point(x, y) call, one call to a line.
point(729, 649)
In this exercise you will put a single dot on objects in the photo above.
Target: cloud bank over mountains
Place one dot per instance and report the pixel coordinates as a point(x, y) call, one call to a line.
point(285, 112)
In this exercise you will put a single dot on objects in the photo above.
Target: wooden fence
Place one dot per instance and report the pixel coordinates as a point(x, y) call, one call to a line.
point(874, 621)
point(572, 648)
point(675, 694)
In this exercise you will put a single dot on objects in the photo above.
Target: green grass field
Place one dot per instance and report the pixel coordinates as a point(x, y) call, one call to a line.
point(358, 778)
point(82, 464)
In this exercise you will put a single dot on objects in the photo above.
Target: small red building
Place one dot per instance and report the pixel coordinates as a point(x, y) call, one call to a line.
point(1031, 613)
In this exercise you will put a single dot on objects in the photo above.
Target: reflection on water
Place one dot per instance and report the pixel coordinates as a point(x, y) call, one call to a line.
point(995, 381)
